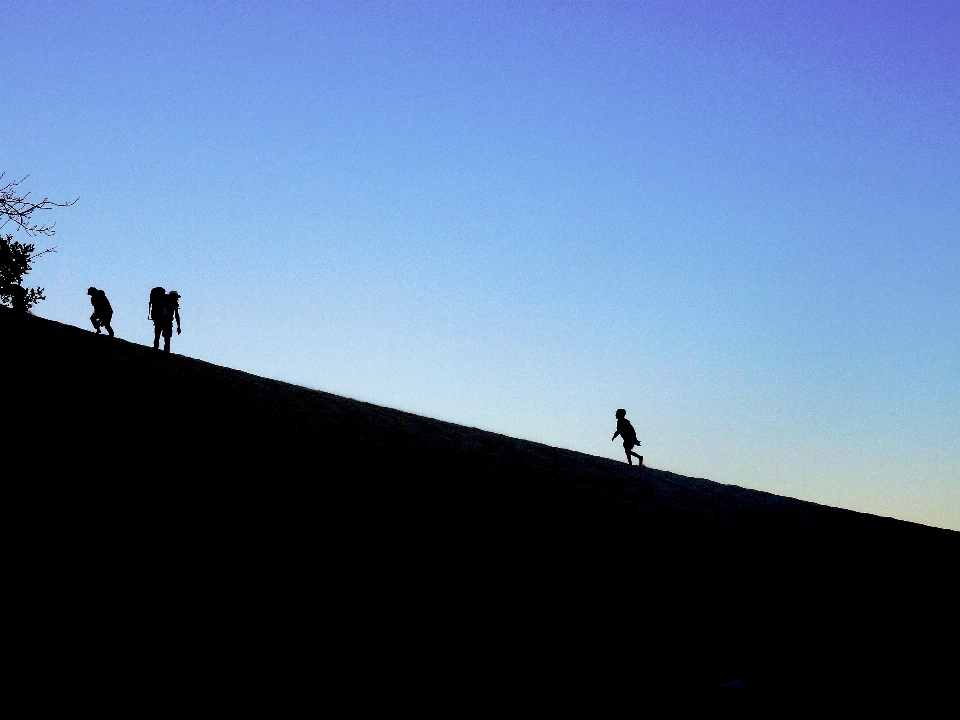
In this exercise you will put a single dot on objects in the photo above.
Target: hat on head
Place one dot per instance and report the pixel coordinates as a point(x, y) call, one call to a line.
point(174, 293)
point(91, 290)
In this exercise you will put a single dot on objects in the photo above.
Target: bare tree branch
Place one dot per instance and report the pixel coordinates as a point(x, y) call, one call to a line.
point(18, 209)
point(36, 255)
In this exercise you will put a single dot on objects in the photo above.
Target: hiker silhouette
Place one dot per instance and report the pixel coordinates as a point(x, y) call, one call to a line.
point(629, 435)
point(102, 311)
point(163, 308)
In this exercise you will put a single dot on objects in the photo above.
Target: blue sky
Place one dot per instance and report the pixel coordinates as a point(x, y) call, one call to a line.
point(737, 220)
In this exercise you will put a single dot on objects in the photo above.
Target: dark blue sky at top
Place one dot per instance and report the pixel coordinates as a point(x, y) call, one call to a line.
point(738, 220)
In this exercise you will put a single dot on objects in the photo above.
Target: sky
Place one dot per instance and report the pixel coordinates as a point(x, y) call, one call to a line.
point(739, 221)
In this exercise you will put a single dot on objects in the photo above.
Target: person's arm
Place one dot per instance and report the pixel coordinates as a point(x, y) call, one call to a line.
point(615, 435)
point(176, 314)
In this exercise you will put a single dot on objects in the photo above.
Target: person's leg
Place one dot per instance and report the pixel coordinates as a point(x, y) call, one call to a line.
point(95, 322)
point(106, 324)
point(156, 337)
point(626, 449)
point(167, 332)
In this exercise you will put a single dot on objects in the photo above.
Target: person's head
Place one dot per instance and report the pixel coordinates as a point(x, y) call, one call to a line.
point(621, 413)
point(91, 290)
point(174, 294)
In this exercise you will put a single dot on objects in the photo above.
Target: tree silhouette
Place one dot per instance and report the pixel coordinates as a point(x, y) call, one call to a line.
point(16, 258)
point(19, 209)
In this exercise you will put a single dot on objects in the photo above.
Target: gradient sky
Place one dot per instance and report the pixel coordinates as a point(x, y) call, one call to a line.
point(740, 221)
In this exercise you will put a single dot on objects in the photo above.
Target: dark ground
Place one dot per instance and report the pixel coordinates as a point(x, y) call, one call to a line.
point(180, 527)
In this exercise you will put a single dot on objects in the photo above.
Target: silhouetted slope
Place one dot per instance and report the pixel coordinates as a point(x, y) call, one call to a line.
point(181, 420)
point(118, 459)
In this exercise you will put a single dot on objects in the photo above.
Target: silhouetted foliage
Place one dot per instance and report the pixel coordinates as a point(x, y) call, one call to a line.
point(16, 258)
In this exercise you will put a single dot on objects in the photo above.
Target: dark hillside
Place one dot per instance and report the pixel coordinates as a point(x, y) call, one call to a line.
point(181, 480)
point(174, 420)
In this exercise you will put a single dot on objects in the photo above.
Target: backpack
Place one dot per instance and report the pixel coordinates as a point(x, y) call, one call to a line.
point(100, 303)
point(157, 307)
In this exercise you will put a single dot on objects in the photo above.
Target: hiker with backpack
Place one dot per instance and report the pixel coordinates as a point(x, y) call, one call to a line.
point(102, 311)
point(629, 435)
point(163, 309)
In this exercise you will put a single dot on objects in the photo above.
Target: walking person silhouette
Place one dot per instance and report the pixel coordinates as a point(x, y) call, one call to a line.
point(163, 309)
point(629, 435)
point(102, 311)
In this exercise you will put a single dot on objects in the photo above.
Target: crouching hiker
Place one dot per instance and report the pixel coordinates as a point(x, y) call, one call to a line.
point(629, 435)
point(102, 311)
point(163, 309)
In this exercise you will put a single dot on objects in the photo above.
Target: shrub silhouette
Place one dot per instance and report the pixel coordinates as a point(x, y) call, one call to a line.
point(16, 260)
